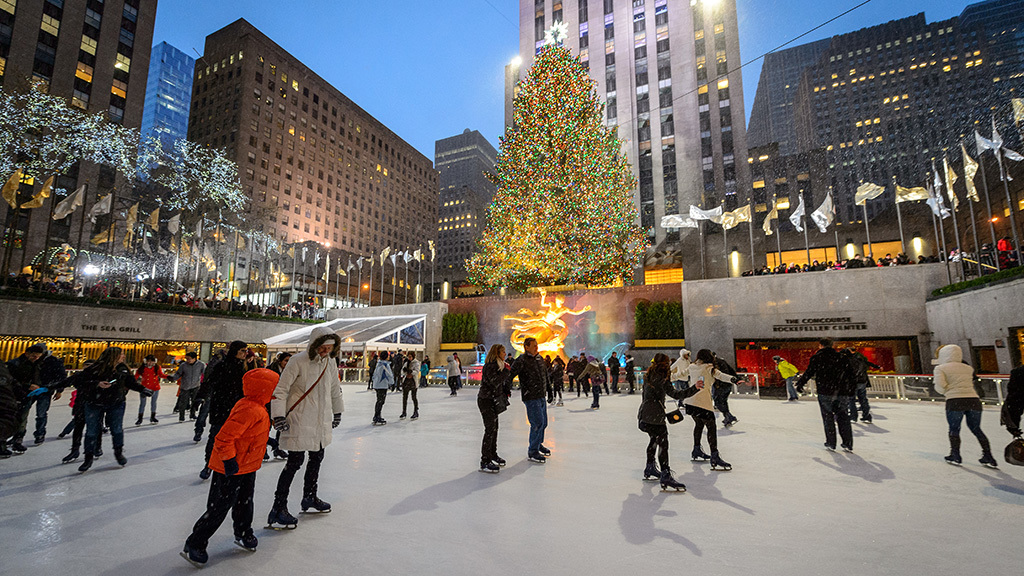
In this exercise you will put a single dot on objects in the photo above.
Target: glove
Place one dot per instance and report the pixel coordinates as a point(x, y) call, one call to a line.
point(230, 467)
point(146, 393)
point(38, 392)
point(280, 424)
point(336, 421)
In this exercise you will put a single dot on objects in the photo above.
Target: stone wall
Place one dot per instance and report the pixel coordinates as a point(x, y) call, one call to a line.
point(981, 317)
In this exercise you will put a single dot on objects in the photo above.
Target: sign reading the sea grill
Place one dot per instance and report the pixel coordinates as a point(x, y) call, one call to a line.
point(819, 325)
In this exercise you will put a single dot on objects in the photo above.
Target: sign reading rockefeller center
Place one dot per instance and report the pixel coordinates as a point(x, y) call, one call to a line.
point(819, 325)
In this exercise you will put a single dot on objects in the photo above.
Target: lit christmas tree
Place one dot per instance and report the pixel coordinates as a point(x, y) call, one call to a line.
point(564, 211)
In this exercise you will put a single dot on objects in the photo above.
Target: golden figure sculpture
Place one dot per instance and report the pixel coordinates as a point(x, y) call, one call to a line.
point(546, 326)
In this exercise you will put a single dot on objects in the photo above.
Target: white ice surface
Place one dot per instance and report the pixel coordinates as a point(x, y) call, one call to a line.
point(408, 499)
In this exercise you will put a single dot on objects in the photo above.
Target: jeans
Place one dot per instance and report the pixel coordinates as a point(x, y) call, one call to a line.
point(406, 392)
point(94, 418)
point(204, 412)
point(537, 414)
point(596, 390)
point(42, 407)
point(861, 395)
point(234, 493)
point(489, 446)
point(187, 402)
point(152, 403)
point(956, 417)
point(791, 387)
point(382, 394)
point(834, 414)
point(309, 481)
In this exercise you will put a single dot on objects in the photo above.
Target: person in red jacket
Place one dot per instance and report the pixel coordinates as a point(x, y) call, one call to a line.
point(149, 375)
point(237, 455)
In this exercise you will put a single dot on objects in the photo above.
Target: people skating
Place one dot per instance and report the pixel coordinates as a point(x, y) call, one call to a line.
point(859, 365)
point(651, 416)
point(593, 374)
point(398, 369)
point(234, 461)
point(424, 371)
point(37, 376)
point(383, 379)
point(102, 388)
point(371, 366)
point(149, 376)
point(221, 388)
point(570, 373)
point(533, 382)
point(1013, 404)
point(955, 380)
point(458, 362)
point(789, 373)
point(9, 410)
point(204, 402)
point(189, 376)
point(830, 372)
point(701, 408)
point(630, 369)
point(492, 400)
point(454, 373)
point(613, 372)
point(307, 406)
point(555, 380)
point(409, 387)
point(681, 369)
point(720, 392)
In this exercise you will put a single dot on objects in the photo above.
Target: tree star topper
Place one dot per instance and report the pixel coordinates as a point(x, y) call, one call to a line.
point(557, 34)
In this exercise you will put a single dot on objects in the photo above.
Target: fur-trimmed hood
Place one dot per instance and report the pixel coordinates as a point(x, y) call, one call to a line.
point(319, 336)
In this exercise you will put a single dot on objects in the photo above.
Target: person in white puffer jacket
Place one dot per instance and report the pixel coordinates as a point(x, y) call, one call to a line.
point(680, 373)
point(955, 380)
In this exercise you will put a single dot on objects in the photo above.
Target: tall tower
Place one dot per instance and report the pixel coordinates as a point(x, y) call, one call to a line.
point(168, 94)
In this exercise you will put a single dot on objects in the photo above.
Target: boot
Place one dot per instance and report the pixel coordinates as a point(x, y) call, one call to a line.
point(718, 464)
point(71, 457)
point(954, 451)
point(194, 556)
point(5, 452)
point(698, 454)
point(651, 472)
point(318, 505)
point(152, 419)
point(280, 519)
point(119, 456)
point(986, 454)
point(139, 421)
point(415, 414)
point(667, 481)
point(87, 464)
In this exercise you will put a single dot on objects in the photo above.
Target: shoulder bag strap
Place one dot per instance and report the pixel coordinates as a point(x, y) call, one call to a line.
point(306, 393)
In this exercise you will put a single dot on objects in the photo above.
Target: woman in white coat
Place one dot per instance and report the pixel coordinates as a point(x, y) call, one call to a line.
point(681, 369)
point(955, 381)
point(702, 408)
point(307, 404)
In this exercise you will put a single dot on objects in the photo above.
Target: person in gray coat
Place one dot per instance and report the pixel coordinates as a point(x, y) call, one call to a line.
point(189, 377)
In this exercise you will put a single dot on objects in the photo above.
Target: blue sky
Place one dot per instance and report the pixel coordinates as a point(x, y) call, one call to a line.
point(430, 68)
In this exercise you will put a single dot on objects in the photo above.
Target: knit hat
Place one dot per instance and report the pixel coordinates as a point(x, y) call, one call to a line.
point(777, 358)
point(36, 349)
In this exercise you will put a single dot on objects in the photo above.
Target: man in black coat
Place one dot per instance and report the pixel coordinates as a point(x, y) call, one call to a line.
point(830, 371)
point(221, 390)
point(613, 369)
point(533, 384)
point(8, 410)
point(1013, 405)
point(859, 365)
point(630, 369)
point(202, 396)
point(35, 369)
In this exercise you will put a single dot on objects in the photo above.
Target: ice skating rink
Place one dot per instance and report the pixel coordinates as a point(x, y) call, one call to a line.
point(408, 498)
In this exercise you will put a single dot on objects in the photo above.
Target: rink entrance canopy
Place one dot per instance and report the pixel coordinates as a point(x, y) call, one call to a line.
point(360, 336)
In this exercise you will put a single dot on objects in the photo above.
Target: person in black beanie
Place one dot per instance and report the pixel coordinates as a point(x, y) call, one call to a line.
point(222, 388)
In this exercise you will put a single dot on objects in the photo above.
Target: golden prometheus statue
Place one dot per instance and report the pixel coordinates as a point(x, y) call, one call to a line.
point(546, 326)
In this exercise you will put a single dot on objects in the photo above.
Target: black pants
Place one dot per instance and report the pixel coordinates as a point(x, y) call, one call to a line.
point(214, 429)
point(720, 396)
point(309, 481)
point(187, 402)
point(835, 413)
point(78, 426)
point(658, 443)
point(615, 381)
point(453, 383)
point(632, 384)
point(406, 392)
point(489, 447)
point(596, 389)
point(234, 493)
point(703, 419)
point(382, 394)
point(572, 382)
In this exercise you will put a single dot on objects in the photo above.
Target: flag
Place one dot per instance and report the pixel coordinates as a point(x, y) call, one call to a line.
point(797, 215)
point(239, 242)
point(984, 143)
point(199, 228)
point(291, 252)
point(867, 191)
point(407, 256)
point(341, 270)
point(38, 199)
point(174, 224)
point(911, 194)
point(730, 220)
point(824, 214)
point(384, 254)
point(127, 238)
point(1018, 109)
point(430, 243)
point(767, 225)
point(677, 221)
point(970, 169)
point(304, 249)
point(132, 216)
point(417, 255)
point(103, 237)
point(698, 214)
point(101, 207)
point(951, 179)
point(359, 263)
point(350, 264)
point(145, 246)
point(154, 220)
point(935, 201)
point(69, 204)
point(10, 190)
point(394, 258)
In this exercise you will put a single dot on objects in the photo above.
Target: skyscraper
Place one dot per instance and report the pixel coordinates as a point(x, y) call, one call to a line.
point(466, 192)
point(168, 94)
point(669, 74)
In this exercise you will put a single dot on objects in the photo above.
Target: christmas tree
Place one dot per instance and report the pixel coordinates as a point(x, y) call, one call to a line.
point(563, 212)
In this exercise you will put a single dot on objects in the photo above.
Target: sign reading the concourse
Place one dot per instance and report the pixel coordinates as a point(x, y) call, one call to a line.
point(820, 325)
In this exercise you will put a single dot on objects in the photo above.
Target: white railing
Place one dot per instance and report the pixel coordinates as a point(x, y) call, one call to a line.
point(991, 389)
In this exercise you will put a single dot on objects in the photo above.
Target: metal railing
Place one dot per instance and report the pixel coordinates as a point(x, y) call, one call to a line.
point(991, 389)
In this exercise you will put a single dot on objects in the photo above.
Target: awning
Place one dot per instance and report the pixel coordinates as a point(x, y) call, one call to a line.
point(360, 334)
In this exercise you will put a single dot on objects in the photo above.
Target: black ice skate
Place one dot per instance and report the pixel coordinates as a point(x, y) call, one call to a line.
point(194, 556)
point(415, 415)
point(698, 455)
point(247, 542)
point(280, 519)
point(318, 505)
point(499, 460)
point(988, 460)
point(119, 456)
point(489, 467)
point(846, 447)
point(545, 451)
point(71, 457)
point(403, 416)
point(139, 421)
point(718, 464)
point(379, 422)
point(651, 473)
point(667, 482)
point(954, 459)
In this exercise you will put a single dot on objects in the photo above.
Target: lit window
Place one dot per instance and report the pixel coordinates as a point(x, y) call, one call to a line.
point(50, 24)
point(724, 83)
point(123, 63)
point(88, 45)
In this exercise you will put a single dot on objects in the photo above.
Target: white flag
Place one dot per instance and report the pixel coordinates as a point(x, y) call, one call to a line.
point(677, 221)
point(984, 143)
point(69, 204)
point(698, 214)
point(767, 225)
point(867, 191)
point(797, 216)
point(350, 264)
point(394, 258)
point(824, 214)
point(102, 207)
point(174, 224)
point(935, 201)
point(406, 256)
point(359, 263)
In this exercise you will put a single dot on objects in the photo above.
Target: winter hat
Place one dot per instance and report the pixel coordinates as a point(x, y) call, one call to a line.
point(43, 346)
point(683, 352)
point(258, 384)
point(777, 358)
point(591, 359)
point(36, 349)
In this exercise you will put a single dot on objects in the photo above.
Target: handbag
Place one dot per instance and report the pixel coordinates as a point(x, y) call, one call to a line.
point(501, 404)
point(674, 416)
point(1014, 453)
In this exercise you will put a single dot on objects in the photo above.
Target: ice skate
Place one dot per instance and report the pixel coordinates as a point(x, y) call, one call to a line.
point(247, 542)
point(499, 460)
point(71, 457)
point(139, 421)
point(415, 415)
point(280, 519)
point(846, 447)
point(954, 451)
point(280, 454)
point(545, 451)
point(318, 505)
point(954, 459)
point(988, 460)
point(537, 458)
point(152, 419)
point(489, 467)
point(718, 464)
point(403, 416)
point(204, 474)
point(379, 422)
point(667, 482)
point(559, 403)
point(698, 455)
point(651, 473)
point(194, 556)
point(198, 437)
point(86, 465)
point(119, 456)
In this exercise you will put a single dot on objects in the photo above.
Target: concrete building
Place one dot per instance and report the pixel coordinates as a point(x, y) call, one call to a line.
point(466, 192)
point(96, 55)
point(168, 94)
point(669, 75)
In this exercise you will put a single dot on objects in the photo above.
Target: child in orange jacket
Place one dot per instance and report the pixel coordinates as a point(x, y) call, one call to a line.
point(237, 455)
point(149, 375)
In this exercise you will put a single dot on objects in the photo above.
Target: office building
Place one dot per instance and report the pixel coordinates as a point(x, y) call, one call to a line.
point(466, 192)
point(168, 94)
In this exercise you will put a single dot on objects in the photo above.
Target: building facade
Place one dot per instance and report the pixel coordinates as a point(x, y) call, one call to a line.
point(96, 55)
point(466, 192)
point(669, 75)
point(168, 94)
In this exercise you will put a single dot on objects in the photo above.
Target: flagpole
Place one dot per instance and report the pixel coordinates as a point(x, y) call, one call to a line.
point(49, 221)
point(81, 232)
point(703, 265)
point(807, 246)
point(974, 232)
point(248, 273)
point(750, 227)
point(956, 226)
point(394, 279)
point(778, 240)
point(406, 262)
point(899, 217)
point(359, 284)
point(836, 232)
point(725, 249)
point(988, 208)
point(867, 229)
point(291, 295)
point(1010, 207)
point(382, 273)
point(419, 280)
